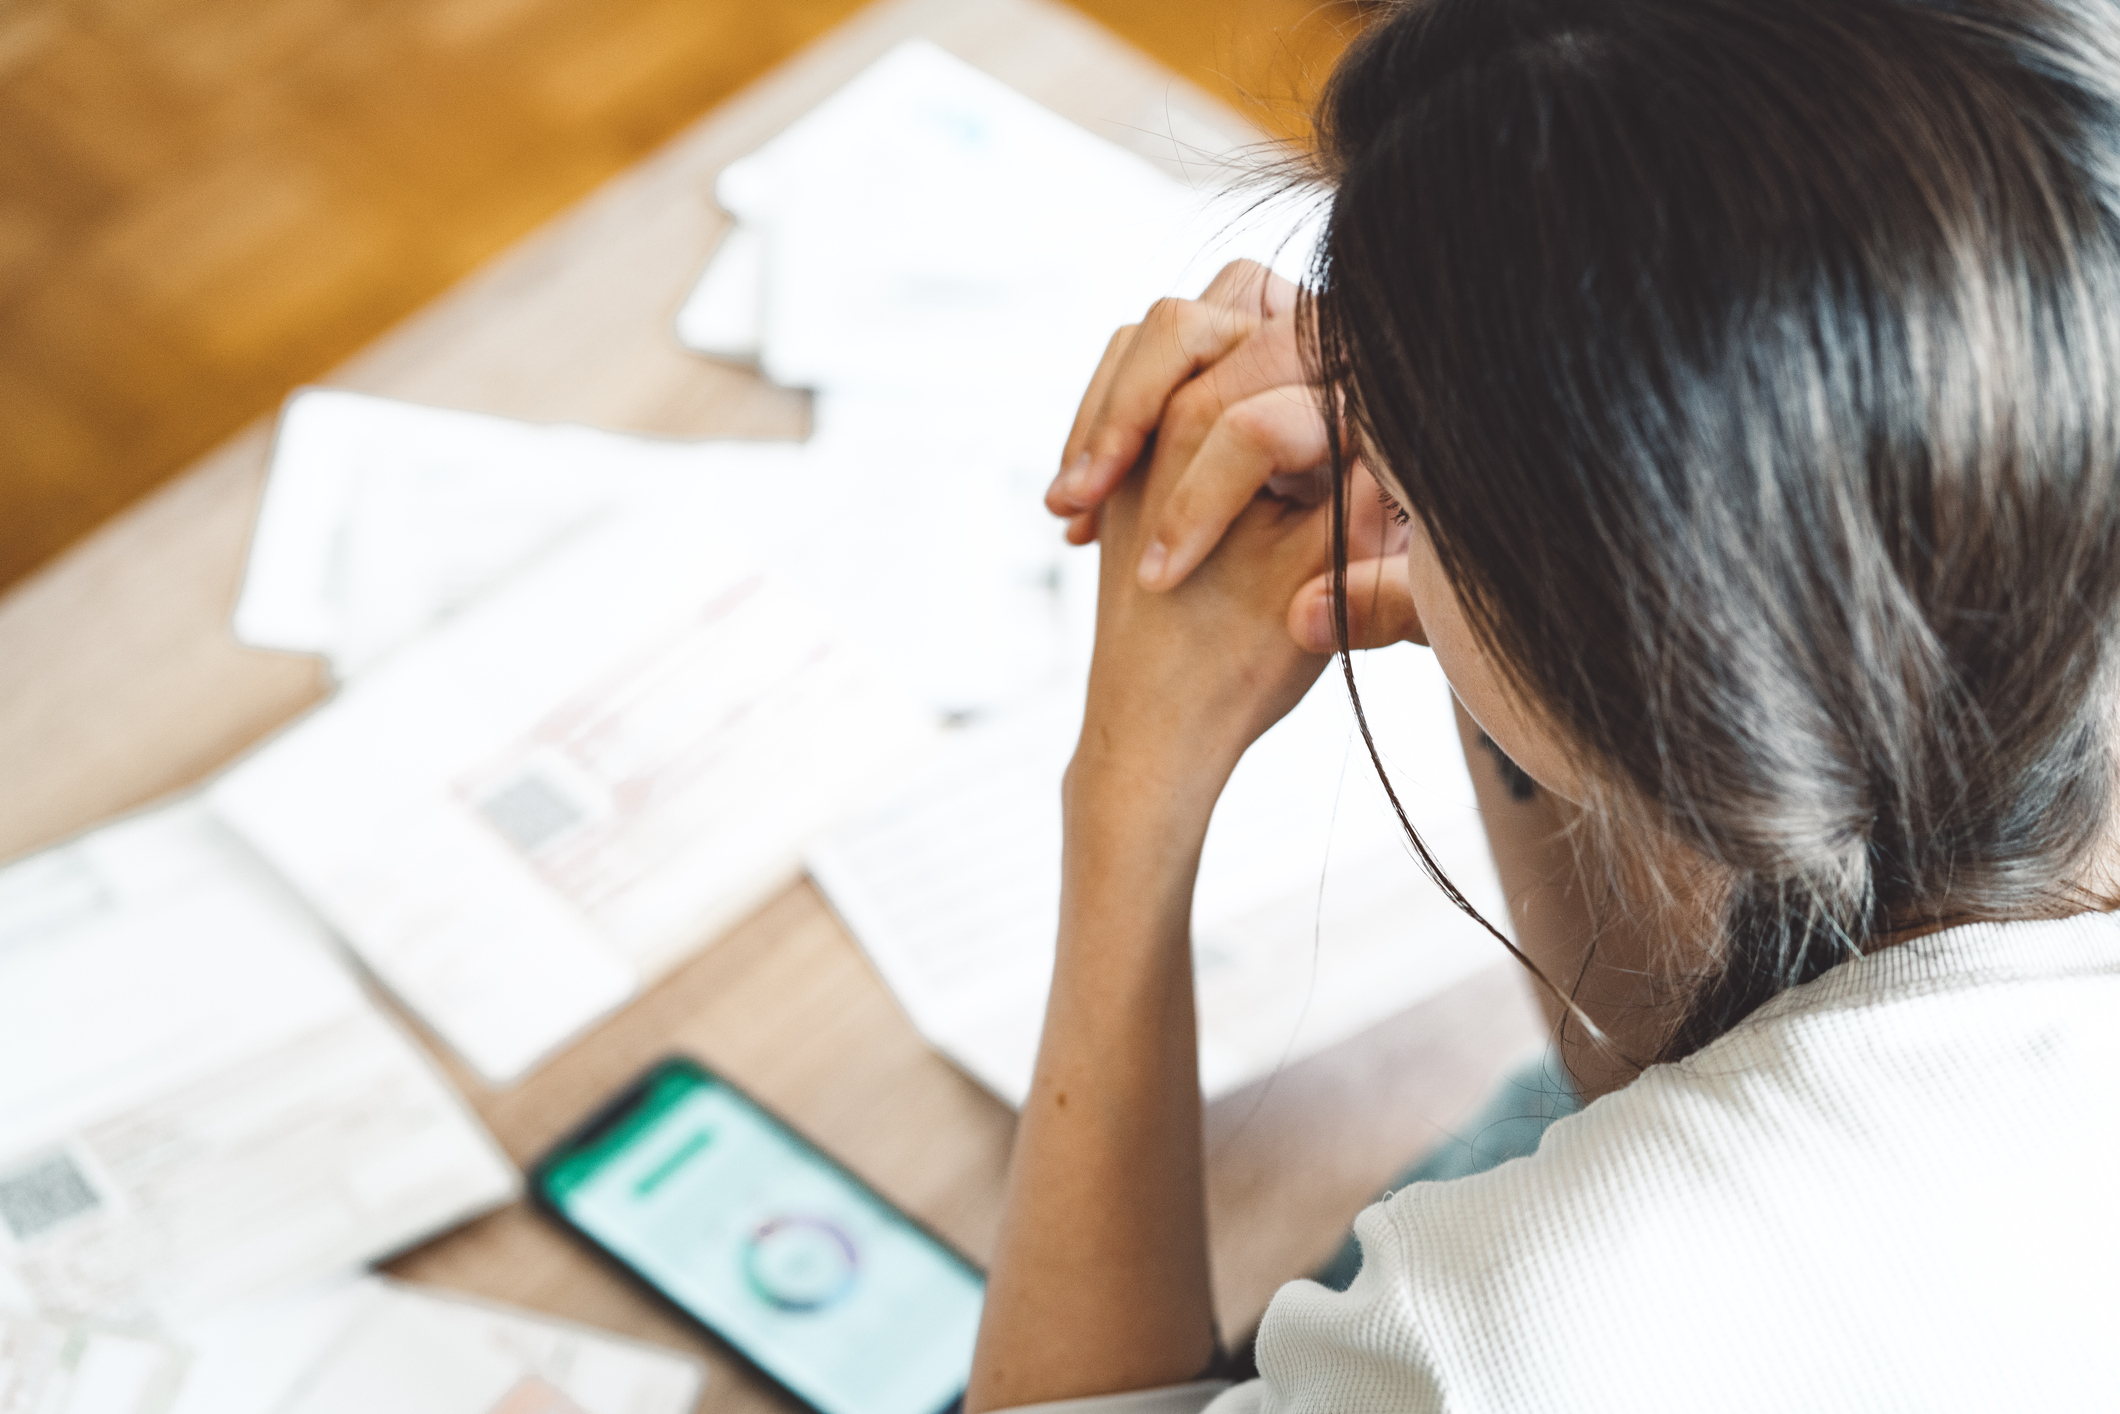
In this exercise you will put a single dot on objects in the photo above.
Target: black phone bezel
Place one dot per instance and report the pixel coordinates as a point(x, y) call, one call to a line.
point(615, 1109)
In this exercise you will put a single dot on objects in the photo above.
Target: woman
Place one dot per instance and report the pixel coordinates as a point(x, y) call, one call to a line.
point(1748, 372)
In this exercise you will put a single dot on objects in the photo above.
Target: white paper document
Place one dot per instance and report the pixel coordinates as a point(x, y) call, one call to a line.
point(931, 542)
point(249, 1358)
point(355, 1344)
point(382, 518)
point(929, 229)
point(920, 526)
point(943, 261)
point(374, 1345)
point(197, 1102)
point(1311, 921)
point(725, 313)
point(530, 812)
point(68, 1367)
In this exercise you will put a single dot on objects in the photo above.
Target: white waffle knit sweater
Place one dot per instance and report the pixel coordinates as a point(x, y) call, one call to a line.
point(1895, 1188)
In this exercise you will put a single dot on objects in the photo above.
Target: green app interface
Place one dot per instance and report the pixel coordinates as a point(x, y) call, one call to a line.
point(814, 1278)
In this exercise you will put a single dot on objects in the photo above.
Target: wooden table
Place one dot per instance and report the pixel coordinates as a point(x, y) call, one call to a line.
point(120, 683)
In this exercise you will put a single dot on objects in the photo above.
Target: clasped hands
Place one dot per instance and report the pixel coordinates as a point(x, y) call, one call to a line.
point(1198, 459)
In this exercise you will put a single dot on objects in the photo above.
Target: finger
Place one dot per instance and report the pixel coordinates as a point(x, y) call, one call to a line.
point(1275, 433)
point(1082, 529)
point(1248, 286)
point(1128, 397)
point(1269, 357)
point(1177, 340)
point(1380, 609)
point(1062, 497)
point(1301, 488)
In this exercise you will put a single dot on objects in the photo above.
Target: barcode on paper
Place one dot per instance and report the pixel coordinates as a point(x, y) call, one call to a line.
point(529, 811)
point(43, 1193)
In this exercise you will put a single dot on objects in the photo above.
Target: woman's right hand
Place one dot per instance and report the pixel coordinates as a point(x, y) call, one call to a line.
point(1222, 384)
point(1182, 682)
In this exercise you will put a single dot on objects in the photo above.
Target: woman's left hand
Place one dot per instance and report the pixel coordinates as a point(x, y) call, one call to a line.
point(1100, 1274)
point(1219, 386)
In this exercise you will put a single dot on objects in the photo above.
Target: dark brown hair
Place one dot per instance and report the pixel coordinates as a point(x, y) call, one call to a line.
point(1754, 368)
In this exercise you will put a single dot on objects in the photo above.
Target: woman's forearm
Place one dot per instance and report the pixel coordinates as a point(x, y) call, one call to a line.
point(1100, 1273)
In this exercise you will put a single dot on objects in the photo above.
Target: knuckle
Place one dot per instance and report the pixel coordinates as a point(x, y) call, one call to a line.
point(1166, 311)
point(1230, 280)
point(1282, 294)
point(1215, 325)
point(1194, 408)
point(1237, 275)
point(1197, 328)
point(1255, 424)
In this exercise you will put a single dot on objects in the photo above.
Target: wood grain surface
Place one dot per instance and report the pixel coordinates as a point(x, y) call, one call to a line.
point(121, 684)
point(206, 202)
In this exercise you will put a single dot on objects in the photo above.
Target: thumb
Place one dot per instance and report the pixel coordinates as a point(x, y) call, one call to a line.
point(1379, 608)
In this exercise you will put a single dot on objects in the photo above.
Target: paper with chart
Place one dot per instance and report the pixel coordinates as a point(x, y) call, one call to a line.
point(1311, 921)
point(197, 1102)
point(999, 244)
point(381, 518)
point(529, 813)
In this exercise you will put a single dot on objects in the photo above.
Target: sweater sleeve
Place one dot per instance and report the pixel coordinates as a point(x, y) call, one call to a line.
point(1345, 1352)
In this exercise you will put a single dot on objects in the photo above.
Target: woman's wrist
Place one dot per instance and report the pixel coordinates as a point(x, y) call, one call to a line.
point(1130, 792)
point(1130, 854)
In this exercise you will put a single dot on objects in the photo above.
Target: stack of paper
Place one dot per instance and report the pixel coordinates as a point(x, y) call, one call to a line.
point(201, 1116)
point(585, 730)
point(197, 1103)
point(204, 1126)
point(944, 261)
point(999, 245)
point(603, 695)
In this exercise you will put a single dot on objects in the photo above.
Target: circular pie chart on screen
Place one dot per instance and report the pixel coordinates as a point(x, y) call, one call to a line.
point(797, 1263)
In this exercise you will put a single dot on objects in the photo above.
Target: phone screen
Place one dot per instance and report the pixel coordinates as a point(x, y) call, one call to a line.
point(815, 1279)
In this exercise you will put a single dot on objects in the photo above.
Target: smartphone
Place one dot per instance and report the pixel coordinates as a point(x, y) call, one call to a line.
point(782, 1254)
